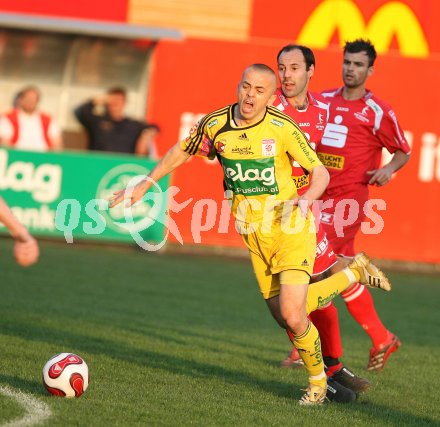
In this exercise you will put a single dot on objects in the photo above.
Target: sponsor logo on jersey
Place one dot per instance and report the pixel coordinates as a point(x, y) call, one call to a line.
point(322, 246)
point(342, 109)
point(304, 124)
point(278, 123)
point(332, 161)
point(304, 145)
point(327, 218)
point(250, 176)
point(301, 181)
point(212, 123)
point(375, 107)
point(362, 116)
point(305, 263)
point(243, 151)
point(268, 147)
point(243, 137)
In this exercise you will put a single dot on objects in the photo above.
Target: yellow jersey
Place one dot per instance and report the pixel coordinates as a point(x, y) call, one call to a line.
point(256, 159)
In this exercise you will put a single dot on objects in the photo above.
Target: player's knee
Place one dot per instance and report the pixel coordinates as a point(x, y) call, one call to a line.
point(295, 320)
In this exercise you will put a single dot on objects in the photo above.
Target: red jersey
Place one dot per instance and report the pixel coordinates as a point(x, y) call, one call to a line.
point(312, 122)
point(354, 137)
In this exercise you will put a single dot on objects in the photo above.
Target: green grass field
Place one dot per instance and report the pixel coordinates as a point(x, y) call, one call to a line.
point(178, 340)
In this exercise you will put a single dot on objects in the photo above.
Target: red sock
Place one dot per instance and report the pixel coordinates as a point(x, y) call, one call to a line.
point(326, 321)
point(290, 335)
point(361, 306)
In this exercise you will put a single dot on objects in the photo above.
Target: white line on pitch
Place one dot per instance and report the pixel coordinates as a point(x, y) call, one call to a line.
point(35, 411)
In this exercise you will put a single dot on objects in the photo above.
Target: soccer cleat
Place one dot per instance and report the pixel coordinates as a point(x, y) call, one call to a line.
point(336, 392)
point(314, 395)
point(350, 380)
point(371, 276)
point(378, 357)
point(293, 360)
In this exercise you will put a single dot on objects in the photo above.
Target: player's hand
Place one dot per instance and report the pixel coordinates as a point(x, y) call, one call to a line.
point(303, 205)
point(380, 176)
point(131, 194)
point(26, 251)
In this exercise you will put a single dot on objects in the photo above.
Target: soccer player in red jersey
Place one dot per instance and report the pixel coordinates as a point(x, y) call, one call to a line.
point(26, 249)
point(359, 126)
point(296, 65)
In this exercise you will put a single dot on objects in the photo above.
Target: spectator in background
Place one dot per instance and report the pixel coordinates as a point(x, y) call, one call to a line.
point(146, 145)
point(110, 130)
point(27, 128)
point(26, 249)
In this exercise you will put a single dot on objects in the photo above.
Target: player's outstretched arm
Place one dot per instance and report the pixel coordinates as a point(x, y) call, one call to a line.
point(26, 249)
point(172, 159)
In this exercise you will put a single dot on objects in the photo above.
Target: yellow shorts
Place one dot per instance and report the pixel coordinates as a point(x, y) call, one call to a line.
point(277, 251)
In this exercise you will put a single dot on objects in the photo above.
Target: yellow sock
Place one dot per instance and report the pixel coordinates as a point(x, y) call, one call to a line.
point(308, 345)
point(322, 292)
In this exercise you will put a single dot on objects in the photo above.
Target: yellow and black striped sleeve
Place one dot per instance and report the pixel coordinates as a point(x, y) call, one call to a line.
point(200, 142)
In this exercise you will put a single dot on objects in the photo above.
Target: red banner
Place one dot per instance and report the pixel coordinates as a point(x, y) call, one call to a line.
point(412, 198)
point(408, 27)
point(194, 77)
point(100, 10)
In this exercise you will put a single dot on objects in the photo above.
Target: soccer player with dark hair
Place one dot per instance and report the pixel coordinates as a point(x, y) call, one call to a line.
point(360, 125)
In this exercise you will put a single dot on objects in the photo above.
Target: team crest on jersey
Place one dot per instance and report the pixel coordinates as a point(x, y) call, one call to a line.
point(268, 147)
point(220, 146)
point(320, 125)
point(362, 115)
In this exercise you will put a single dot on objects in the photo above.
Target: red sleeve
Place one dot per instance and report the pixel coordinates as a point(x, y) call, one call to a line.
point(391, 134)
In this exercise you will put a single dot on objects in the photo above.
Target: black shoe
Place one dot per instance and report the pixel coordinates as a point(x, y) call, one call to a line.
point(350, 380)
point(338, 393)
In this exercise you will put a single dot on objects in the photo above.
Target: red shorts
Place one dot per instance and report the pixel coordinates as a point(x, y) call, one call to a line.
point(343, 219)
point(325, 257)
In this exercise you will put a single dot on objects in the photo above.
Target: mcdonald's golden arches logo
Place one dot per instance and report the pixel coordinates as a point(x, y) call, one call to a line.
point(393, 18)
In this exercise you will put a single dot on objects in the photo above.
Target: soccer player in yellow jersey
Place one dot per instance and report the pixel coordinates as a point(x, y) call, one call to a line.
point(255, 144)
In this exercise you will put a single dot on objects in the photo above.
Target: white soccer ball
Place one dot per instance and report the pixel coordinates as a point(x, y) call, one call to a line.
point(66, 375)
